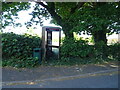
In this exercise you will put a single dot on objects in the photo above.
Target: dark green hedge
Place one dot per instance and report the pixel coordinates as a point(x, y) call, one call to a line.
point(92, 53)
point(114, 51)
point(18, 49)
point(76, 48)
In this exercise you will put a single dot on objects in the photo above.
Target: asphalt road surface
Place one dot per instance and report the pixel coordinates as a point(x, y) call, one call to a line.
point(104, 80)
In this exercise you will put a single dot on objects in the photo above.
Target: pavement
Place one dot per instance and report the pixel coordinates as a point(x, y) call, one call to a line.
point(96, 81)
point(13, 76)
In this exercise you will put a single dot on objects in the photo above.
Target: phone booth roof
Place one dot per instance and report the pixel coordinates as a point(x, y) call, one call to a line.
point(51, 28)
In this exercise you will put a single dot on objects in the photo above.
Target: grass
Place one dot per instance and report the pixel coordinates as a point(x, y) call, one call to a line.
point(68, 62)
point(74, 61)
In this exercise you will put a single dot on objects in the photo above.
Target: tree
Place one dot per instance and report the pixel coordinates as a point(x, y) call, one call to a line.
point(98, 19)
point(60, 12)
point(9, 12)
point(92, 17)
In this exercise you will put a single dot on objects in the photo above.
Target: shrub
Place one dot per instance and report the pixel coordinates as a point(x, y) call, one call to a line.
point(101, 50)
point(18, 48)
point(111, 52)
point(114, 51)
point(79, 51)
point(76, 48)
point(21, 63)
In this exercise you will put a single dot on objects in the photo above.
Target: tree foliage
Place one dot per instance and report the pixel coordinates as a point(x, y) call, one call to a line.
point(95, 18)
point(10, 12)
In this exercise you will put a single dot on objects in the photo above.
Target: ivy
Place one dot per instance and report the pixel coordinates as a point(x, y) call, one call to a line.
point(76, 48)
point(17, 50)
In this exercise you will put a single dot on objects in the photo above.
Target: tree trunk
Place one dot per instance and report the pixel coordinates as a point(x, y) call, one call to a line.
point(68, 34)
point(67, 30)
point(100, 36)
point(62, 22)
point(101, 43)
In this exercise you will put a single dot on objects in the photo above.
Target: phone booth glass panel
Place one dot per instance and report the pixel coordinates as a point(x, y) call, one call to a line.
point(51, 38)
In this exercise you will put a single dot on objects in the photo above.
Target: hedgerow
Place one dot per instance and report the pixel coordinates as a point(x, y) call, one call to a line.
point(17, 50)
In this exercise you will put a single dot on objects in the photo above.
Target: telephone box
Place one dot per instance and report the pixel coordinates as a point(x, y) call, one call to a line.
point(51, 38)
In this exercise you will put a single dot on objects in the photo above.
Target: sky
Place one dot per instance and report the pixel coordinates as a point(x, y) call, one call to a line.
point(24, 17)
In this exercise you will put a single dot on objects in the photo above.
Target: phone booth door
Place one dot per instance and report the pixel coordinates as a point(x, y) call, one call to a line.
point(50, 48)
point(49, 44)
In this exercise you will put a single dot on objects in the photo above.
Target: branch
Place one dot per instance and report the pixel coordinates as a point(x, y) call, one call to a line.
point(51, 9)
point(51, 5)
point(42, 4)
point(79, 5)
point(54, 14)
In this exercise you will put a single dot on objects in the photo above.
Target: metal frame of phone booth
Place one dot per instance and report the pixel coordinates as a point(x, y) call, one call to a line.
point(47, 41)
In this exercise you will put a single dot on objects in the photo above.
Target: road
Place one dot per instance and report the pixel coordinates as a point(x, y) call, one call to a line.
point(101, 80)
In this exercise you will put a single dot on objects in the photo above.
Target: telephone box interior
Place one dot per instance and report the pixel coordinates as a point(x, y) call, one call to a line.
point(51, 38)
